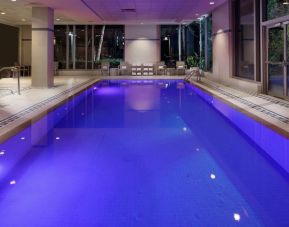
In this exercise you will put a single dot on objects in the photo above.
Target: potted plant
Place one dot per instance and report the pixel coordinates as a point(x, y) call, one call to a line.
point(114, 63)
point(193, 61)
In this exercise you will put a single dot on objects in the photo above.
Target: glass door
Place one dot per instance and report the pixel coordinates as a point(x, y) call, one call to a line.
point(277, 60)
point(287, 58)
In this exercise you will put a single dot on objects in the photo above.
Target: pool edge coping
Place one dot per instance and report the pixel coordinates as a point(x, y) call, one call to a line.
point(261, 120)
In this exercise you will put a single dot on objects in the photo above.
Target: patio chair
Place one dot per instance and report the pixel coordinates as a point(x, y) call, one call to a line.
point(161, 68)
point(124, 68)
point(181, 68)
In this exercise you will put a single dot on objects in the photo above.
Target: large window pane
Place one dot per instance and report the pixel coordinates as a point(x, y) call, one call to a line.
point(112, 47)
point(80, 47)
point(287, 60)
point(276, 58)
point(276, 79)
point(209, 56)
point(276, 8)
point(202, 39)
point(71, 46)
point(192, 45)
point(245, 41)
point(169, 44)
point(60, 45)
point(89, 47)
point(206, 43)
point(276, 44)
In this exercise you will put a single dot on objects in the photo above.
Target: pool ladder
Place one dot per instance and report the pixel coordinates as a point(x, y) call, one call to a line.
point(15, 71)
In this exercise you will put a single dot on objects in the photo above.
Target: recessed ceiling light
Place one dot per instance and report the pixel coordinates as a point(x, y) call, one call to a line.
point(212, 3)
point(13, 0)
point(58, 19)
point(286, 2)
point(23, 19)
point(3, 13)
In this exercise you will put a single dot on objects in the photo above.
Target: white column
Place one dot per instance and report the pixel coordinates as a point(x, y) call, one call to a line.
point(42, 47)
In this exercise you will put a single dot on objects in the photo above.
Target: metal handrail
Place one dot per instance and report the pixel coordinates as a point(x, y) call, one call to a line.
point(14, 69)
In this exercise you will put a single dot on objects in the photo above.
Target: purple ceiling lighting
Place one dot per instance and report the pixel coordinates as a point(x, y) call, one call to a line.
point(131, 11)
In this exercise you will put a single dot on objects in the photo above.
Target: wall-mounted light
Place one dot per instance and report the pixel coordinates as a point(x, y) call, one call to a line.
point(285, 2)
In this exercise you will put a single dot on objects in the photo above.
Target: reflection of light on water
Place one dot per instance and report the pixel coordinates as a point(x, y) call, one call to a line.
point(109, 91)
point(237, 217)
point(185, 129)
point(12, 182)
point(213, 176)
point(142, 97)
point(57, 138)
point(22, 138)
point(2, 152)
point(180, 86)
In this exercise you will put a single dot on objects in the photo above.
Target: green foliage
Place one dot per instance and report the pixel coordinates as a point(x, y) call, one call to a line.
point(114, 63)
point(276, 8)
point(193, 61)
point(276, 45)
point(202, 63)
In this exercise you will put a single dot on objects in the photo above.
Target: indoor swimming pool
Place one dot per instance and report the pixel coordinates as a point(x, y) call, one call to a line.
point(144, 153)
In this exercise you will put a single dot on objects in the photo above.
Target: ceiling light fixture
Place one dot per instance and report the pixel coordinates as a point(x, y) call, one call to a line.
point(58, 19)
point(212, 3)
point(286, 2)
point(3, 13)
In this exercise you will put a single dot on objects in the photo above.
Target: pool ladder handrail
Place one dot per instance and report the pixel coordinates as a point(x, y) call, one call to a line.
point(13, 69)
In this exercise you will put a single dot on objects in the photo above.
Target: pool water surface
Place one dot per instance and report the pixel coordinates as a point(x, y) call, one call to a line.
point(140, 153)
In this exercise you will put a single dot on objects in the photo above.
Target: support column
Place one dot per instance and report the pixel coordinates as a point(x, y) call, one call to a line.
point(42, 47)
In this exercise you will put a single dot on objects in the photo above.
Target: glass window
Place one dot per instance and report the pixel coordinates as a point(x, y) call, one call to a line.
point(60, 46)
point(169, 44)
point(192, 37)
point(209, 56)
point(89, 47)
point(80, 53)
point(206, 43)
point(112, 47)
point(277, 8)
point(71, 46)
point(77, 46)
point(245, 39)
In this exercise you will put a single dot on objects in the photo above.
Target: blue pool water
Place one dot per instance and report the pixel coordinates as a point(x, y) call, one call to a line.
point(144, 153)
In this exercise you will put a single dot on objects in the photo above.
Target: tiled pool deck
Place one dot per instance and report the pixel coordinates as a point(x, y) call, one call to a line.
point(16, 112)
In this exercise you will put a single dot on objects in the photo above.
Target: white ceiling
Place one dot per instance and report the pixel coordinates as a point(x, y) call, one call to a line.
point(109, 11)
